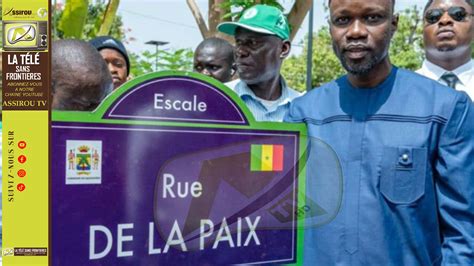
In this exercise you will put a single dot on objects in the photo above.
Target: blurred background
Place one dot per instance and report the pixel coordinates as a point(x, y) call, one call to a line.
point(177, 26)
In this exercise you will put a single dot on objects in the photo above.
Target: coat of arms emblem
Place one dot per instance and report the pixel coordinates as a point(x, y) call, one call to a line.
point(83, 162)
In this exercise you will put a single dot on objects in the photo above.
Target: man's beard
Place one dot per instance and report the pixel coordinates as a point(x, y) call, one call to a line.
point(446, 48)
point(361, 67)
point(364, 66)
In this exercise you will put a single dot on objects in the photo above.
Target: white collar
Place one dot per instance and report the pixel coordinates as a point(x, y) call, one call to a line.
point(464, 72)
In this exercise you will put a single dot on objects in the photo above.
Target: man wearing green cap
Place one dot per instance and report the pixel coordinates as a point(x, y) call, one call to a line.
point(262, 43)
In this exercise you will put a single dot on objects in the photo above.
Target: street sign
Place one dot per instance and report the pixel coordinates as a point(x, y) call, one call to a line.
point(172, 169)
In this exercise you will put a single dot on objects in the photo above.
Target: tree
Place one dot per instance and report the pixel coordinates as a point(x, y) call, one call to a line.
point(65, 25)
point(405, 51)
point(326, 65)
point(242, 5)
point(73, 18)
point(221, 10)
point(97, 22)
point(109, 17)
point(181, 59)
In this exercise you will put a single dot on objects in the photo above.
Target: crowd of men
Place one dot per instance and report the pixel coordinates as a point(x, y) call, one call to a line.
point(405, 140)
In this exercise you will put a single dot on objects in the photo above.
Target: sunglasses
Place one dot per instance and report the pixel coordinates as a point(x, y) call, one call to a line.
point(455, 12)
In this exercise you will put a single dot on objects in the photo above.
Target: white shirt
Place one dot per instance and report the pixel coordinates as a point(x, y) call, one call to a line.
point(261, 109)
point(465, 73)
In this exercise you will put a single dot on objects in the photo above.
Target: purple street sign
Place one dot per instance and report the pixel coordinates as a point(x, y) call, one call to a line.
point(176, 99)
point(136, 193)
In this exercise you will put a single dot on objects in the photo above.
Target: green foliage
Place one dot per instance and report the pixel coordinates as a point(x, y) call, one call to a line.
point(1, 26)
point(181, 59)
point(73, 18)
point(93, 21)
point(109, 17)
point(326, 65)
point(405, 51)
point(241, 5)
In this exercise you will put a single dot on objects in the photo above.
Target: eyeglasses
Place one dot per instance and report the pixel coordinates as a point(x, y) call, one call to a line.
point(455, 12)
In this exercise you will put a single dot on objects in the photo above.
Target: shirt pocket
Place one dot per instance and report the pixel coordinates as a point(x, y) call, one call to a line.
point(403, 174)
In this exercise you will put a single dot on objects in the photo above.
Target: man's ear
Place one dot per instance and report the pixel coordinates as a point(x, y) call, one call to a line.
point(233, 69)
point(394, 23)
point(285, 49)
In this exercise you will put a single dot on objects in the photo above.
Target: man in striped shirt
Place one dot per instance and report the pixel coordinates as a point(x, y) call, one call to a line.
point(262, 43)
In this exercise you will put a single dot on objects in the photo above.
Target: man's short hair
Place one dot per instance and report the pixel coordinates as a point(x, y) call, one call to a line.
point(220, 45)
point(79, 71)
point(469, 2)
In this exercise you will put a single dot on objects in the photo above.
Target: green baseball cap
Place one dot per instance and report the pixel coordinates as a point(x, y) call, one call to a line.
point(262, 19)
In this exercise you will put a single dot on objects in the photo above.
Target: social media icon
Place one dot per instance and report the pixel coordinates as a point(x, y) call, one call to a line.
point(21, 173)
point(21, 187)
point(22, 159)
point(22, 144)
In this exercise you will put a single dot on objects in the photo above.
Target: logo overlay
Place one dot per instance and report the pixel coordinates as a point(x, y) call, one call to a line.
point(17, 12)
point(83, 162)
point(22, 33)
point(26, 35)
point(42, 12)
point(7, 252)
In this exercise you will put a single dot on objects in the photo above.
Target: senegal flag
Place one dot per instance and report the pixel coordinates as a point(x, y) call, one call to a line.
point(266, 158)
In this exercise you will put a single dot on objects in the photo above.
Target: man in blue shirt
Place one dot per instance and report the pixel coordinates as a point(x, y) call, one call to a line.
point(406, 146)
point(262, 43)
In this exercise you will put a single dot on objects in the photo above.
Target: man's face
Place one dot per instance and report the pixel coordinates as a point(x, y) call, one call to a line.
point(116, 64)
point(361, 31)
point(443, 33)
point(214, 63)
point(258, 56)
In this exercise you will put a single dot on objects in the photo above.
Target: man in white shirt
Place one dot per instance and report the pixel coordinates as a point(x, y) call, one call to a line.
point(261, 44)
point(448, 34)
